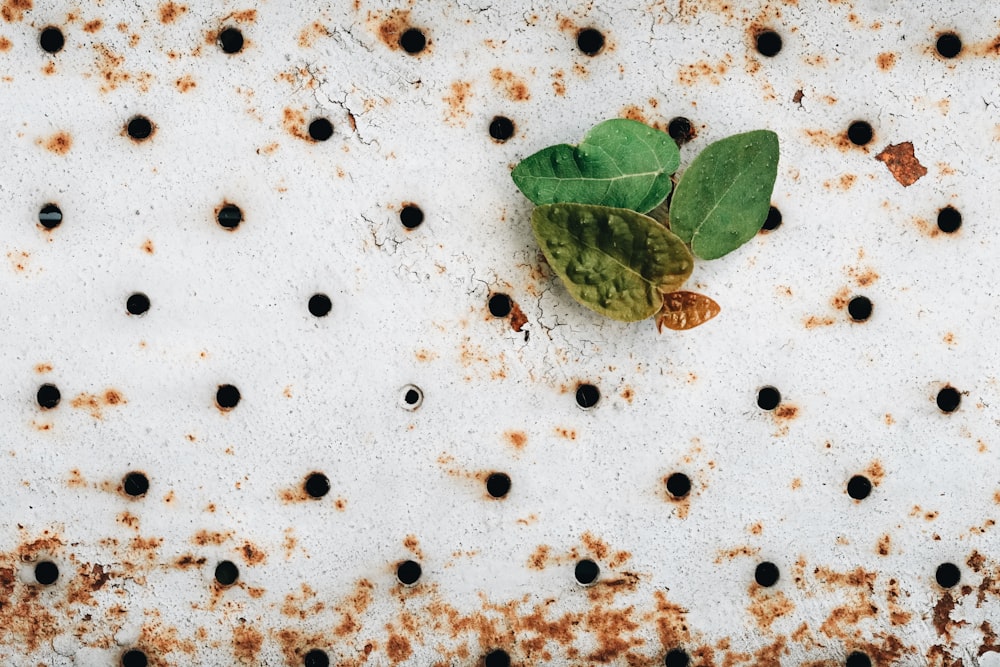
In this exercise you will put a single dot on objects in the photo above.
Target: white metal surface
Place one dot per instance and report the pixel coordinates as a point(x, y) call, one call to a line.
point(329, 394)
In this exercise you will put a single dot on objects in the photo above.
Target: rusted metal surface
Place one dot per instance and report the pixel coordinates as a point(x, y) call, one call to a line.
point(287, 457)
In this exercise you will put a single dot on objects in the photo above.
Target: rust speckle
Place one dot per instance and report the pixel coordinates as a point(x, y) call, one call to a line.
point(205, 537)
point(171, 11)
point(786, 412)
point(59, 143)
point(768, 606)
point(93, 26)
point(508, 82)
point(147, 247)
point(628, 394)
point(886, 61)
point(294, 123)
point(457, 101)
point(252, 555)
point(883, 546)
point(5, 44)
point(875, 473)
point(96, 403)
point(539, 557)
point(690, 75)
point(247, 643)
point(814, 321)
point(311, 33)
point(413, 546)
point(942, 616)
point(391, 27)
point(570, 434)
point(757, 529)
point(112, 75)
point(185, 83)
point(825, 138)
point(397, 647)
point(13, 10)
point(559, 83)
point(517, 439)
point(43, 368)
point(902, 163)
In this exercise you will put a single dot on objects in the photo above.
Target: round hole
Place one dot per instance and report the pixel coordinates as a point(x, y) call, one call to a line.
point(137, 304)
point(412, 397)
point(678, 485)
point(768, 43)
point(226, 573)
point(859, 487)
point(319, 305)
point(50, 216)
point(497, 658)
point(501, 128)
point(947, 575)
point(230, 216)
point(586, 572)
point(859, 308)
point(498, 484)
point(46, 572)
point(949, 45)
point(227, 396)
point(51, 39)
point(48, 396)
point(948, 399)
point(408, 572)
point(320, 129)
point(411, 216)
point(680, 130)
point(413, 40)
point(590, 41)
point(858, 659)
point(949, 220)
point(766, 574)
point(500, 305)
point(134, 658)
point(231, 40)
point(772, 221)
point(139, 128)
point(677, 658)
point(316, 658)
point(768, 398)
point(860, 133)
point(587, 396)
point(317, 485)
point(135, 484)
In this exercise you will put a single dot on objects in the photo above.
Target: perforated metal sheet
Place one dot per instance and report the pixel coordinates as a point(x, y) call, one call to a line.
point(136, 574)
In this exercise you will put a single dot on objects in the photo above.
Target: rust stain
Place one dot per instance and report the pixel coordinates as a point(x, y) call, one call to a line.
point(171, 11)
point(13, 10)
point(824, 138)
point(517, 317)
point(517, 439)
point(883, 546)
point(185, 83)
point(902, 163)
point(76, 480)
point(252, 555)
point(412, 545)
point(863, 277)
point(559, 83)
point(205, 537)
point(93, 26)
point(886, 61)
point(309, 34)
point(96, 403)
point(294, 123)
point(514, 86)
point(247, 643)
point(5, 44)
point(875, 472)
point(690, 75)
point(390, 27)
point(59, 143)
point(457, 101)
point(786, 412)
point(628, 394)
point(570, 434)
point(814, 321)
point(111, 73)
point(738, 552)
point(19, 260)
point(397, 647)
point(242, 16)
point(942, 620)
point(539, 557)
point(767, 606)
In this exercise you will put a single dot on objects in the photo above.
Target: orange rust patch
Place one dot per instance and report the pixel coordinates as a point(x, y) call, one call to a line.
point(171, 11)
point(185, 83)
point(875, 473)
point(558, 83)
point(13, 10)
point(902, 163)
point(796, 484)
point(96, 403)
point(187, 561)
point(757, 529)
point(517, 439)
point(5, 44)
point(93, 26)
point(294, 123)
point(397, 647)
point(457, 101)
point(517, 317)
point(886, 61)
point(814, 321)
point(59, 143)
point(690, 75)
point(390, 28)
point(889, 419)
point(825, 138)
point(733, 554)
point(413, 545)
point(508, 82)
point(148, 248)
point(786, 412)
point(76, 479)
point(242, 16)
point(768, 606)
point(252, 555)
point(883, 546)
point(247, 643)
point(863, 278)
point(841, 298)
point(310, 34)
point(628, 394)
point(570, 434)
point(206, 537)
point(111, 73)
point(539, 557)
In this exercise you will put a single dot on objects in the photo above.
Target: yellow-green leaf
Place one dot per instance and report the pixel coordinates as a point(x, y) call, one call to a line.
point(612, 260)
point(620, 163)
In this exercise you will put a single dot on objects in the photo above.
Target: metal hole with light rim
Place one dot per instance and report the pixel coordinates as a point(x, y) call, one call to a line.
point(411, 397)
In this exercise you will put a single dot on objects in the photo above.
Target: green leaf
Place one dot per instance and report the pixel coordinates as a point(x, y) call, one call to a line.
point(612, 260)
point(620, 163)
point(723, 198)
